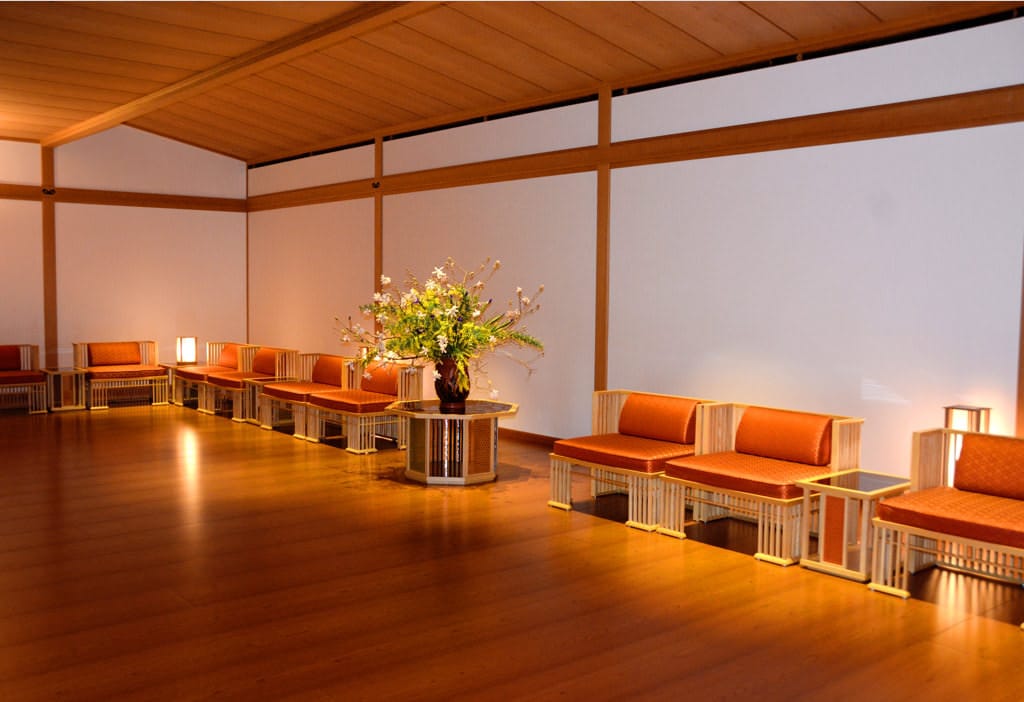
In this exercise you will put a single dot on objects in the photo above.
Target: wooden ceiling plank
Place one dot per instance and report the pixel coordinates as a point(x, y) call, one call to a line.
point(212, 17)
point(804, 20)
point(334, 74)
point(402, 74)
point(268, 107)
point(52, 74)
point(453, 28)
point(305, 12)
point(46, 109)
point(103, 65)
point(60, 101)
point(45, 87)
point(634, 29)
point(314, 113)
point(217, 115)
point(231, 142)
point(534, 24)
point(727, 27)
point(446, 61)
point(362, 18)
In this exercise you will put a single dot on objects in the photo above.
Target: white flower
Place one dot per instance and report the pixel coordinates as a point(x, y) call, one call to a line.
point(452, 311)
point(526, 300)
point(437, 375)
point(440, 274)
point(442, 342)
point(385, 281)
point(494, 392)
point(476, 313)
point(519, 291)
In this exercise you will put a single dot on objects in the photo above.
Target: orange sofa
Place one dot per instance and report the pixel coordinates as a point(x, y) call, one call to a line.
point(242, 387)
point(634, 435)
point(972, 520)
point(221, 356)
point(317, 373)
point(747, 465)
point(361, 410)
point(123, 372)
point(22, 384)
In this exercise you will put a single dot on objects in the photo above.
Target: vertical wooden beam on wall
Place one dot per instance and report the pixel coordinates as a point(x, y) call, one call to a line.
point(378, 212)
point(50, 339)
point(604, 196)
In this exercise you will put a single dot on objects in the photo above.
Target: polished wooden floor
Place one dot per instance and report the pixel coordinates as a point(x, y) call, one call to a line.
point(159, 554)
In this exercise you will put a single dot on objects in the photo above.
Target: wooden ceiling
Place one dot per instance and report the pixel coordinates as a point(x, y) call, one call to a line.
point(262, 81)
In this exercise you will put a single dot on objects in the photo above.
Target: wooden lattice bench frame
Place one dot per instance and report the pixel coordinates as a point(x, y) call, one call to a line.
point(22, 384)
point(114, 368)
point(901, 550)
point(777, 518)
point(360, 427)
point(242, 387)
point(280, 401)
point(221, 356)
point(613, 474)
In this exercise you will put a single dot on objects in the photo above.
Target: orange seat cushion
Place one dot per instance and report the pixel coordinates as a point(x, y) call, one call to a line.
point(125, 371)
point(970, 515)
point(199, 372)
point(785, 435)
point(264, 363)
point(228, 357)
point(297, 391)
point(622, 451)
point(757, 475)
point(114, 353)
point(234, 380)
point(351, 401)
point(10, 358)
point(329, 370)
point(21, 377)
point(992, 465)
point(381, 378)
point(659, 417)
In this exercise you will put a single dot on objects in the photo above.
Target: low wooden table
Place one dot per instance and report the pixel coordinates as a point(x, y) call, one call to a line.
point(847, 504)
point(452, 449)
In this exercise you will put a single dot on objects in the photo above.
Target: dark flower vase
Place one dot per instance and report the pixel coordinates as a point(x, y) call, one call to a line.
point(446, 385)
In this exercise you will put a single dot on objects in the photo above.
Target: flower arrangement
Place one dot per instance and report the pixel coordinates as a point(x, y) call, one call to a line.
point(444, 320)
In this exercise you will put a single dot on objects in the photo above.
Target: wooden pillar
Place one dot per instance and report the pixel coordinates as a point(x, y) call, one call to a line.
point(378, 212)
point(604, 195)
point(51, 358)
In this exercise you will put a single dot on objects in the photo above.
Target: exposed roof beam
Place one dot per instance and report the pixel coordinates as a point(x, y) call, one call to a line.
point(362, 18)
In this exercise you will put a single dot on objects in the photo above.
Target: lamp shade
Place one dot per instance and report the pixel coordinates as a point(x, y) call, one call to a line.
point(185, 349)
point(967, 418)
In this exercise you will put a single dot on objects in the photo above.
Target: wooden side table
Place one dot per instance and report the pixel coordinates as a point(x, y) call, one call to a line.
point(452, 448)
point(847, 502)
point(65, 389)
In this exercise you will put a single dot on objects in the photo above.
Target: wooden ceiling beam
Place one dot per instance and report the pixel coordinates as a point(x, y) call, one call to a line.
point(364, 17)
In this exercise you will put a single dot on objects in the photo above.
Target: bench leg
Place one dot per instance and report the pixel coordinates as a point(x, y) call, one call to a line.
point(643, 501)
point(889, 571)
point(561, 484)
point(359, 431)
point(672, 518)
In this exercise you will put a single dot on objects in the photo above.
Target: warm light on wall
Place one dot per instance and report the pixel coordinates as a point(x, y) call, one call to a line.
point(186, 349)
point(967, 418)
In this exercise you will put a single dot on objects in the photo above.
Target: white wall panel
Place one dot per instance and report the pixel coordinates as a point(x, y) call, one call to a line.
point(20, 163)
point(307, 267)
point(131, 160)
point(543, 233)
point(334, 167)
point(879, 279)
point(143, 273)
point(21, 274)
point(971, 59)
point(534, 132)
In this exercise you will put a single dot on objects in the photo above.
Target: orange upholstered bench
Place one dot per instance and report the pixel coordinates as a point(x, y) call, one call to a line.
point(241, 387)
point(973, 522)
point(748, 465)
point(318, 372)
point(634, 435)
point(362, 411)
point(122, 371)
point(22, 384)
point(221, 357)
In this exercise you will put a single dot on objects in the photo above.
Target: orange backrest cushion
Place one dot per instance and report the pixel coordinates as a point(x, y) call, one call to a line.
point(659, 417)
point(381, 377)
point(114, 353)
point(265, 361)
point(993, 465)
point(328, 369)
point(10, 358)
point(785, 435)
point(228, 356)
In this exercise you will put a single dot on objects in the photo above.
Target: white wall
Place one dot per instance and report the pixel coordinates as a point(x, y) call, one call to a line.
point(879, 279)
point(20, 163)
point(334, 167)
point(131, 160)
point(21, 274)
point(144, 273)
point(307, 267)
point(542, 231)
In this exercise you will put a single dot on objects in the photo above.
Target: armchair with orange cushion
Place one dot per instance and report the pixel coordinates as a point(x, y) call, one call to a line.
point(634, 435)
point(318, 372)
point(123, 372)
point(241, 387)
point(22, 384)
point(747, 465)
point(221, 356)
point(361, 409)
point(968, 516)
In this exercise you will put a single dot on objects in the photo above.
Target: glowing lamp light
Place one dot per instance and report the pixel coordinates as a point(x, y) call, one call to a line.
point(967, 418)
point(186, 349)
